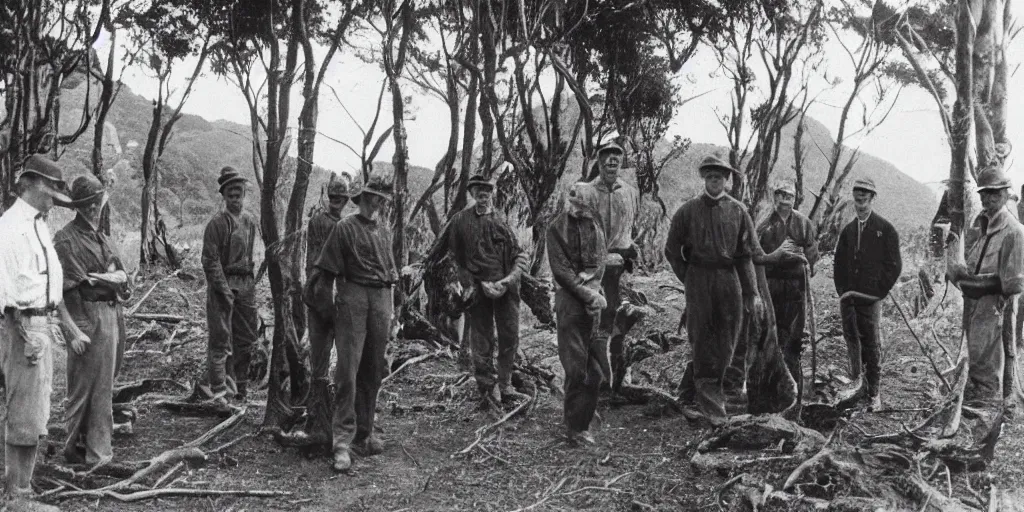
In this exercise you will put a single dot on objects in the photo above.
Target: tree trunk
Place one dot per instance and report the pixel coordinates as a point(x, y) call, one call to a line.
point(148, 177)
point(963, 116)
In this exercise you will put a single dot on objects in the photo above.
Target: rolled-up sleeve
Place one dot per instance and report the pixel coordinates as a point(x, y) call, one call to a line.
point(1011, 262)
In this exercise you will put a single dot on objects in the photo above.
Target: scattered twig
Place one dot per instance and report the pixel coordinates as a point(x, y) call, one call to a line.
point(231, 443)
point(410, 362)
point(486, 430)
point(920, 344)
point(161, 493)
point(167, 476)
point(132, 310)
point(407, 454)
point(721, 490)
point(493, 456)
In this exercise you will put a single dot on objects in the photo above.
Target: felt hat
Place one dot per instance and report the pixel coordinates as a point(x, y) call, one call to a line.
point(229, 175)
point(376, 185)
point(85, 190)
point(865, 184)
point(993, 178)
point(711, 163)
point(42, 166)
point(786, 187)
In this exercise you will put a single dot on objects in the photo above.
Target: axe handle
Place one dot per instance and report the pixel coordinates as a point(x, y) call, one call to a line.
point(809, 305)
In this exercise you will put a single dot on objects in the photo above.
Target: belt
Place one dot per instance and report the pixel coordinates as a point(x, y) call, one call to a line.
point(47, 311)
point(374, 284)
point(715, 265)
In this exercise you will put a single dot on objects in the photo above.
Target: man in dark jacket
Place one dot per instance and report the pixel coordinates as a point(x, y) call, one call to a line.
point(867, 265)
point(230, 292)
point(576, 252)
point(321, 329)
point(490, 263)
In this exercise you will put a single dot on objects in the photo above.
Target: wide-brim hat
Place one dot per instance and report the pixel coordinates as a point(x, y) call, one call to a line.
point(85, 190)
point(993, 178)
point(51, 173)
point(865, 184)
point(228, 176)
point(377, 186)
point(713, 163)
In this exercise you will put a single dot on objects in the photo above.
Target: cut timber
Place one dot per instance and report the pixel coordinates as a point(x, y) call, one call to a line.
point(536, 294)
point(157, 317)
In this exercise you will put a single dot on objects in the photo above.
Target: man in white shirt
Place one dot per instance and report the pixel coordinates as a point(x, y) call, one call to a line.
point(31, 282)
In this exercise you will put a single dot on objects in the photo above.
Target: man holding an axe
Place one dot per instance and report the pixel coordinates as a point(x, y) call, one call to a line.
point(787, 280)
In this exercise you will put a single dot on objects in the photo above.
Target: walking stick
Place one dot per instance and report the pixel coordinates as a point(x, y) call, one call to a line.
point(809, 304)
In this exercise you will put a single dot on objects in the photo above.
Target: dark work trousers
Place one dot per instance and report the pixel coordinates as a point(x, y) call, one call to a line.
point(578, 350)
point(788, 303)
point(232, 326)
point(863, 340)
point(321, 341)
point(89, 412)
point(483, 316)
point(363, 323)
point(612, 354)
point(714, 314)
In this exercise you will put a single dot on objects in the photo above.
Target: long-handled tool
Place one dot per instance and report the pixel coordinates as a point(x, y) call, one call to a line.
point(809, 308)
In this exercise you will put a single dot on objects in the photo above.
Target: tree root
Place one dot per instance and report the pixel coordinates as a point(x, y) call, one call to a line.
point(127, 392)
point(163, 493)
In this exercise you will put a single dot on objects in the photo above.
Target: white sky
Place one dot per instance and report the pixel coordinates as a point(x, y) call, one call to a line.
point(912, 137)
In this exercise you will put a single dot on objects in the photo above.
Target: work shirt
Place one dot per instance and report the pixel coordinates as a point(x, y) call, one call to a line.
point(319, 228)
point(84, 250)
point(617, 207)
point(227, 249)
point(359, 249)
point(774, 230)
point(997, 247)
point(30, 271)
point(867, 257)
point(576, 245)
point(483, 245)
point(711, 233)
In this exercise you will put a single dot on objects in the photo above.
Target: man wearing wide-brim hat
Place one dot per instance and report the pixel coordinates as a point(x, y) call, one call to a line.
point(358, 255)
point(787, 282)
point(32, 312)
point(230, 293)
point(617, 205)
point(95, 283)
point(710, 245)
point(993, 275)
point(867, 265)
point(490, 263)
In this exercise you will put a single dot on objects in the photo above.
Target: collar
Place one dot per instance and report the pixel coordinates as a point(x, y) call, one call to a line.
point(81, 223)
point(481, 214)
point(996, 222)
point(777, 215)
point(715, 198)
point(22, 210)
point(865, 221)
point(603, 187)
point(365, 220)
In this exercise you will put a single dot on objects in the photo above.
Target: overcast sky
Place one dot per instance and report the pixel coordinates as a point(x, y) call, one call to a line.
point(911, 138)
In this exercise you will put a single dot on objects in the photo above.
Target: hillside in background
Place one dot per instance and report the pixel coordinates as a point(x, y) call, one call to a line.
point(199, 148)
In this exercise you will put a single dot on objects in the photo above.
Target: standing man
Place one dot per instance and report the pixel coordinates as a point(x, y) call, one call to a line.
point(710, 245)
point(867, 265)
point(321, 328)
point(577, 253)
point(30, 295)
point(357, 255)
point(230, 292)
point(490, 263)
point(95, 282)
point(993, 275)
point(617, 205)
point(787, 281)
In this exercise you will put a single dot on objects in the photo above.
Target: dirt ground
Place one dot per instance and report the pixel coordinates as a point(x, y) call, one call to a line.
point(641, 461)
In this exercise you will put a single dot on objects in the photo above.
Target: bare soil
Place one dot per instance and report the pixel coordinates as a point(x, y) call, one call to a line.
point(641, 461)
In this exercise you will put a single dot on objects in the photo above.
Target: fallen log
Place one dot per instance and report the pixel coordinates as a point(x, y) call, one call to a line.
point(197, 409)
point(130, 391)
